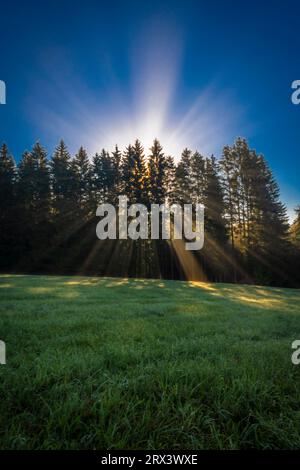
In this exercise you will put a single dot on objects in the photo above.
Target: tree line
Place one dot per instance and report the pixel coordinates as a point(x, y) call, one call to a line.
point(48, 207)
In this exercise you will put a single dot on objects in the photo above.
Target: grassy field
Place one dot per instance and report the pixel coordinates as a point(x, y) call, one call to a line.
point(117, 363)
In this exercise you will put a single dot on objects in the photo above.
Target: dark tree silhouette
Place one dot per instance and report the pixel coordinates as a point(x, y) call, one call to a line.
point(48, 213)
point(8, 207)
point(157, 166)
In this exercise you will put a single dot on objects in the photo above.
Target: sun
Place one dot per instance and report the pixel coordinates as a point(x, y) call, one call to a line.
point(150, 106)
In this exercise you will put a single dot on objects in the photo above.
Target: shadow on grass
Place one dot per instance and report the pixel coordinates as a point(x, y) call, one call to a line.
point(77, 287)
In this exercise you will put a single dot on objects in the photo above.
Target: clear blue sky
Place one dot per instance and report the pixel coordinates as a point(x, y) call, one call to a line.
point(189, 72)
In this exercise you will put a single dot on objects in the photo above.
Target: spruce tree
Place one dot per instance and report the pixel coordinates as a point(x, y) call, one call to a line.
point(81, 168)
point(170, 181)
point(140, 174)
point(271, 225)
point(127, 171)
point(196, 177)
point(184, 176)
point(157, 166)
point(116, 158)
point(257, 218)
point(229, 179)
point(62, 180)
point(34, 203)
point(7, 181)
point(8, 207)
point(214, 203)
point(134, 173)
point(42, 183)
point(103, 178)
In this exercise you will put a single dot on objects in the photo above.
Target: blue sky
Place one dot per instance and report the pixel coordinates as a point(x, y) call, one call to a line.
point(192, 73)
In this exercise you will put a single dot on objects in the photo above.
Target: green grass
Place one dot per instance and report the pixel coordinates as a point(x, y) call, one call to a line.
point(138, 364)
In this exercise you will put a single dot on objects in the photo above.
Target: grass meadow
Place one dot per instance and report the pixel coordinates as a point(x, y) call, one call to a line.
point(102, 363)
